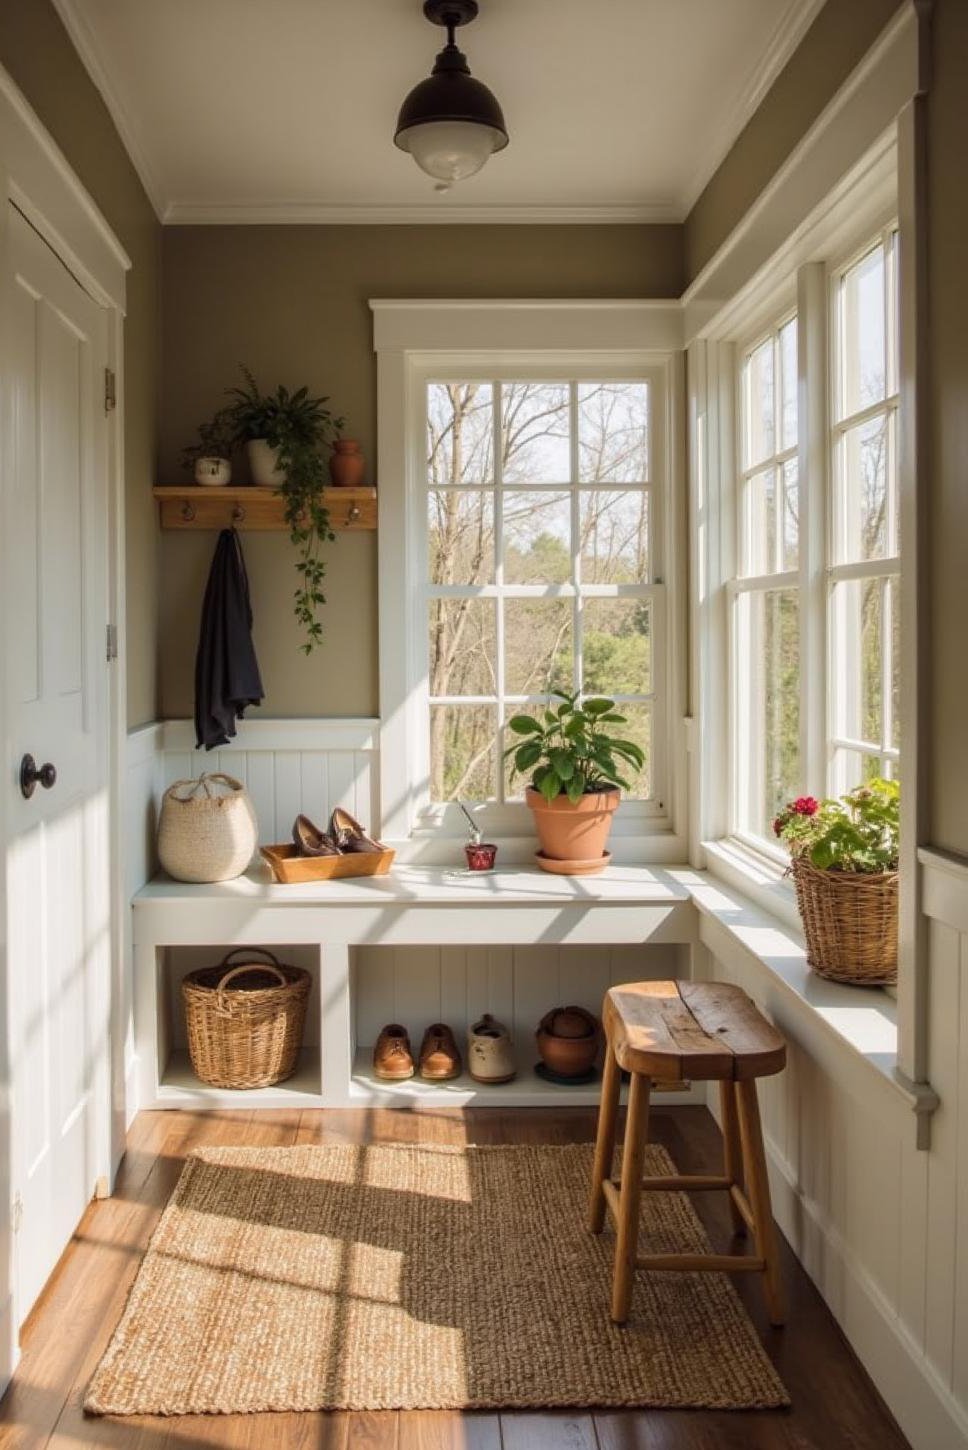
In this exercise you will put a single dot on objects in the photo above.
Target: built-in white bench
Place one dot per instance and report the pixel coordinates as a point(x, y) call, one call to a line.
point(424, 943)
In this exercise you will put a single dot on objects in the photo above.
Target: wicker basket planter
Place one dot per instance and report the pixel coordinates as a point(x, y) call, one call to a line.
point(245, 1022)
point(850, 922)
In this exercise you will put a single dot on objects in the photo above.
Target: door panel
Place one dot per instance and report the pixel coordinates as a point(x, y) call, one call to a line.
point(55, 601)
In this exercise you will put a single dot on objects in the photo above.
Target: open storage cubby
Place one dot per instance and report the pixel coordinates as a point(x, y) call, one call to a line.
point(177, 1084)
point(418, 985)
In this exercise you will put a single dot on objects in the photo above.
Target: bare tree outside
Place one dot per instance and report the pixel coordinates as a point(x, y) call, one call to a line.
point(560, 472)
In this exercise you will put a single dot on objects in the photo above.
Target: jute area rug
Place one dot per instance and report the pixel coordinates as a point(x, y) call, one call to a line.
point(416, 1277)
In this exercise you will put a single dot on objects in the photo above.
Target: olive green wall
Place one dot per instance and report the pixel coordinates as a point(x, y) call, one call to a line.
point(836, 42)
point(946, 570)
point(36, 50)
point(291, 302)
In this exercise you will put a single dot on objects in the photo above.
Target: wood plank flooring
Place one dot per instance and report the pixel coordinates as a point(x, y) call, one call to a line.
point(835, 1406)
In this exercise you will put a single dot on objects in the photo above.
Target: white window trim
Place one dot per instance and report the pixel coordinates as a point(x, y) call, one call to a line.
point(418, 341)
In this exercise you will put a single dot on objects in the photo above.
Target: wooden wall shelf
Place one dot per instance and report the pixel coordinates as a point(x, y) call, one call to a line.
point(192, 506)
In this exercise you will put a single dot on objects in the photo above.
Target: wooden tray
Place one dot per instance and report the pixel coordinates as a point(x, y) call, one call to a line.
point(291, 869)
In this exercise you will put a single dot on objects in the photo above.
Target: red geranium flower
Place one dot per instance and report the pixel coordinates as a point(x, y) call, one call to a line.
point(778, 824)
point(805, 805)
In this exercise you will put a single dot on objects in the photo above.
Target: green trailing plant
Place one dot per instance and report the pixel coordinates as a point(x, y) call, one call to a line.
point(216, 439)
point(570, 750)
point(298, 427)
point(858, 832)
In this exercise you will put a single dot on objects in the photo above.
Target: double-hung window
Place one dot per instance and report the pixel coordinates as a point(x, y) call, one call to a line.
point(766, 632)
point(542, 569)
point(850, 501)
point(864, 676)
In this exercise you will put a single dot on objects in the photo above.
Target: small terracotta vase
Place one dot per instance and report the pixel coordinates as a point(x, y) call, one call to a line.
point(347, 464)
point(576, 832)
point(567, 1039)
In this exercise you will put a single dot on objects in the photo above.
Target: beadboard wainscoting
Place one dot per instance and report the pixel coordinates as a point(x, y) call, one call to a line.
point(881, 1228)
point(287, 766)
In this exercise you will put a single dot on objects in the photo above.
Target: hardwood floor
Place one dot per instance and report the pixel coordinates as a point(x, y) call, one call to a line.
point(835, 1406)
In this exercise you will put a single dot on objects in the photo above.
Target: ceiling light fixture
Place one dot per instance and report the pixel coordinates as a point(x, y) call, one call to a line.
point(450, 123)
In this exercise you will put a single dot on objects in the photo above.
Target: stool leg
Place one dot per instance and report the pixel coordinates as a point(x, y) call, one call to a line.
point(605, 1141)
point(732, 1149)
point(758, 1191)
point(633, 1157)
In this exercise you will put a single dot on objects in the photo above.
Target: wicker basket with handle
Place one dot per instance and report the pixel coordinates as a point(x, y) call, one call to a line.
point(850, 922)
point(245, 1022)
point(207, 830)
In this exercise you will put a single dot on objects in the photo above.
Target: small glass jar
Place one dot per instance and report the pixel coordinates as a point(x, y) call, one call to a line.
point(480, 856)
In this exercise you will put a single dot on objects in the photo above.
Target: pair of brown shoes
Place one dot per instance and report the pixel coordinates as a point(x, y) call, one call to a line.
point(345, 835)
point(439, 1055)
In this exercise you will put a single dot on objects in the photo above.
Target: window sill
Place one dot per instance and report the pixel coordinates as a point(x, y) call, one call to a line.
point(748, 912)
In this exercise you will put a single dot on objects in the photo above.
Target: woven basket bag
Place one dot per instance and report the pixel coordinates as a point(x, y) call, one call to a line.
point(850, 922)
point(207, 830)
point(245, 1022)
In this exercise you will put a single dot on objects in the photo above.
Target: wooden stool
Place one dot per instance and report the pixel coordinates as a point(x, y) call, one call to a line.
point(704, 1032)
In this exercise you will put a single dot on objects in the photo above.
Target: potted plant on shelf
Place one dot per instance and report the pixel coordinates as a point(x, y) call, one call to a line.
point(576, 767)
point(285, 433)
point(211, 457)
point(844, 862)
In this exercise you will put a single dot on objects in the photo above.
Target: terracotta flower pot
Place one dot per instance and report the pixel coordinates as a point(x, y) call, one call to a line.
point(347, 464)
point(567, 1039)
point(576, 832)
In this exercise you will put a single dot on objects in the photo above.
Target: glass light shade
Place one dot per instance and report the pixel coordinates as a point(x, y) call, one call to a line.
point(450, 151)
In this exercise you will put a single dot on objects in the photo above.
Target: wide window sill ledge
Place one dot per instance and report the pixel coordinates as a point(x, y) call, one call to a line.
point(760, 922)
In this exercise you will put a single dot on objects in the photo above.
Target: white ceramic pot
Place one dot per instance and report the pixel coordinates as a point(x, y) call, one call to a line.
point(213, 472)
point(264, 463)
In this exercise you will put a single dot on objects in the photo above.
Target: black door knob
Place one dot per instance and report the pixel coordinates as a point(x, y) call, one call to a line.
point(31, 773)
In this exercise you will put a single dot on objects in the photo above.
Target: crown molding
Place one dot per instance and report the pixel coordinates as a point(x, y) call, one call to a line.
point(442, 213)
point(790, 30)
point(82, 38)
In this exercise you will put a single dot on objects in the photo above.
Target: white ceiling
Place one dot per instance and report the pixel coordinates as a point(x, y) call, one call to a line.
point(284, 110)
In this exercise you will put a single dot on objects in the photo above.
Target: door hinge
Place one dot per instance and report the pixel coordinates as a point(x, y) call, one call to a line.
point(110, 391)
point(16, 1213)
point(112, 642)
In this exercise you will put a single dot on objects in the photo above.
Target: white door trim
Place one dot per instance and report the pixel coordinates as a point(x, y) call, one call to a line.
point(37, 178)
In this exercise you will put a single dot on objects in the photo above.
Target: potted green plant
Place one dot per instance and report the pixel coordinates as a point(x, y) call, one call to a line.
point(844, 863)
point(210, 458)
point(284, 433)
point(576, 764)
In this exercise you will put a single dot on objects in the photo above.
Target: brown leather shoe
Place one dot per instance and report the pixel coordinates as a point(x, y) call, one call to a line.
point(310, 840)
point(348, 834)
point(439, 1054)
point(392, 1055)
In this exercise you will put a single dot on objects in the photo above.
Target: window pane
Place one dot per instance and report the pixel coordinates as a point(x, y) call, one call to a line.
point(535, 433)
point(862, 354)
point(614, 536)
point(460, 433)
point(537, 537)
point(463, 752)
point(613, 432)
point(790, 521)
point(616, 647)
point(462, 647)
point(856, 660)
point(768, 742)
point(461, 536)
point(760, 408)
point(852, 768)
point(538, 646)
point(893, 632)
point(638, 729)
point(863, 491)
point(788, 384)
point(761, 508)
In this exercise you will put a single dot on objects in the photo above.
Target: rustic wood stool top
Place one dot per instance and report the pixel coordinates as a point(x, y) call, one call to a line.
point(690, 1030)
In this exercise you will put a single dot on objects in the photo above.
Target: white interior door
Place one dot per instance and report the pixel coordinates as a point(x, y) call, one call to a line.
point(54, 595)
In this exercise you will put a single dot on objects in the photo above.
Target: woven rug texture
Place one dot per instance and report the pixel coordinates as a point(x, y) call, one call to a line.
point(417, 1277)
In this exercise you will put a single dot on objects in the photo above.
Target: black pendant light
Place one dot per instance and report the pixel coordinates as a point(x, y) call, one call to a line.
point(450, 123)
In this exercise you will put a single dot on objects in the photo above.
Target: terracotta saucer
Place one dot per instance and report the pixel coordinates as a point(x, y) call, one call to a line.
point(588, 867)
